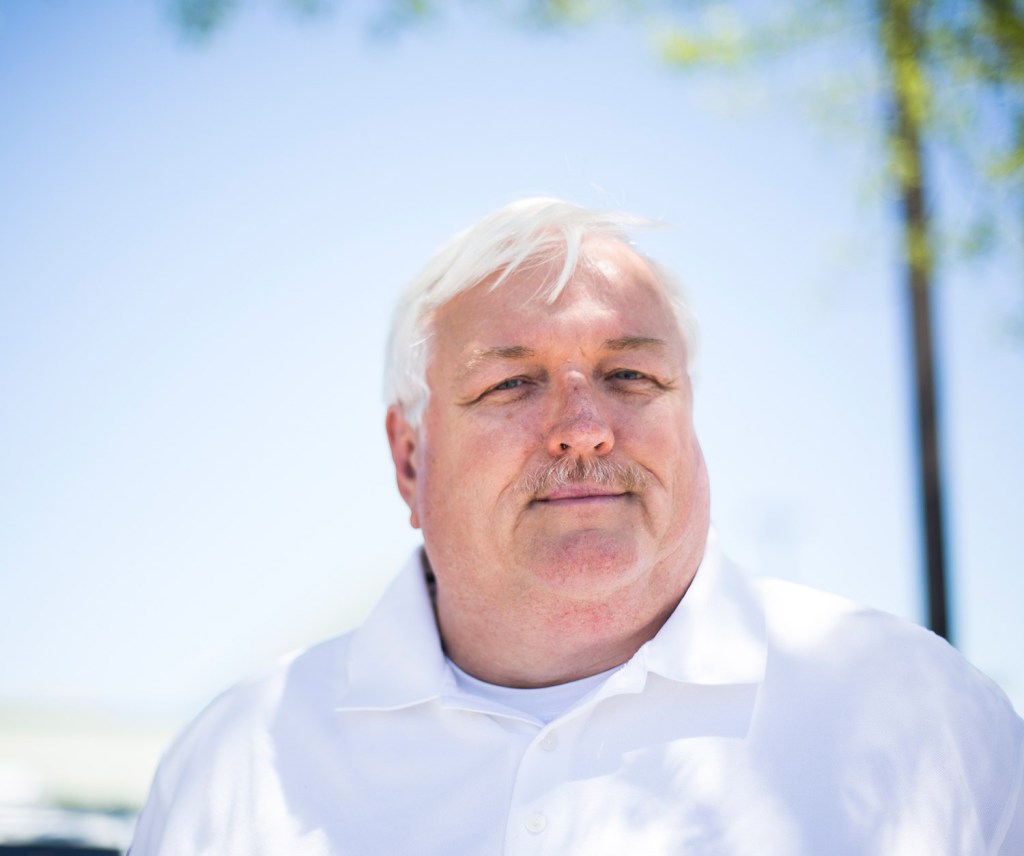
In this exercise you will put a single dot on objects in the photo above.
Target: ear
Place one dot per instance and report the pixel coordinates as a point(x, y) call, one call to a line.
point(405, 449)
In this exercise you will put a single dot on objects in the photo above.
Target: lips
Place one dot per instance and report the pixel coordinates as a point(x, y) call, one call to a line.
point(596, 478)
point(581, 491)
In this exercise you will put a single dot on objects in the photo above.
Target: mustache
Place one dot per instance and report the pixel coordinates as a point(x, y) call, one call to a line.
point(627, 478)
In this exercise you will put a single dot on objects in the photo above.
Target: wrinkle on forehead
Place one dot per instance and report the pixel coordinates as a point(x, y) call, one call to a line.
point(603, 275)
point(481, 356)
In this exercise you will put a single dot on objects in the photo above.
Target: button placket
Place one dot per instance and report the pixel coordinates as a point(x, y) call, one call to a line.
point(549, 742)
point(536, 823)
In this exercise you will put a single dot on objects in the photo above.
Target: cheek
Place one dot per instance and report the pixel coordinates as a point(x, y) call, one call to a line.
point(501, 437)
point(663, 435)
point(667, 447)
point(466, 472)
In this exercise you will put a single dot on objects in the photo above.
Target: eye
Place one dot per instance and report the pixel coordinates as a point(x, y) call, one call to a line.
point(511, 383)
point(627, 374)
point(507, 391)
point(633, 382)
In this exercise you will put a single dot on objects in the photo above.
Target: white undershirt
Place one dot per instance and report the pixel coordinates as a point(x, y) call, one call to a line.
point(541, 703)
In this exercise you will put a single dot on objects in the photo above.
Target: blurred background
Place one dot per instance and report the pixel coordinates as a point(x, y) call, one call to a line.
point(208, 209)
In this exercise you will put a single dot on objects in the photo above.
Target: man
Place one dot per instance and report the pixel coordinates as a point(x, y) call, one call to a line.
point(569, 665)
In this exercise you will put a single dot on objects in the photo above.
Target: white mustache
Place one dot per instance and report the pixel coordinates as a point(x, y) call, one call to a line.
point(627, 478)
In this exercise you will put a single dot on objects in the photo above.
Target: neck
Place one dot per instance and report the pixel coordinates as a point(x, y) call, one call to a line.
point(537, 646)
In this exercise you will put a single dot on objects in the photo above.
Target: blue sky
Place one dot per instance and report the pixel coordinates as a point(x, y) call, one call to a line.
point(199, 249)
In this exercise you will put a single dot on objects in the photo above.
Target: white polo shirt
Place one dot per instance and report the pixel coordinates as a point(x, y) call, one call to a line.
point(764, 718)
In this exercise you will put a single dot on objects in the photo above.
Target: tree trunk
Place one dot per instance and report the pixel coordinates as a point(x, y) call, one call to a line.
point(901, 41)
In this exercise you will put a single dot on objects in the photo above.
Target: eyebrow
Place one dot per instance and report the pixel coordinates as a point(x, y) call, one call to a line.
point(481, 356)
point(634, 343)
point(502, 352)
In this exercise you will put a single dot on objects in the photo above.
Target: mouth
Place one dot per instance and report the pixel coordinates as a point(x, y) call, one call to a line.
point(581, 493)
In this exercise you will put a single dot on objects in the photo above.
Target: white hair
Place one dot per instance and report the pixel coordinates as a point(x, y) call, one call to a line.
point(523, 236)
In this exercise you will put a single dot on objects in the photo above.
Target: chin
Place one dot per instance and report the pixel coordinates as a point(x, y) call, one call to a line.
point(588, 564)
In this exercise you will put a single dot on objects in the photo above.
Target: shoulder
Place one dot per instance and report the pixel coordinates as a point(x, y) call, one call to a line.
point(887, 683)
point(302, 680)
point(834, 629)
point(840, 640)
point(886, 699)
point(230, 747)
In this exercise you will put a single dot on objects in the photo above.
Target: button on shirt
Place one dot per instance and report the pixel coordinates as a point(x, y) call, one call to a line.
point(763, 718)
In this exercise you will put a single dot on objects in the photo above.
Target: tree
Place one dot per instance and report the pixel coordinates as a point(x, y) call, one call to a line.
point(948, 74)
point(946, 78)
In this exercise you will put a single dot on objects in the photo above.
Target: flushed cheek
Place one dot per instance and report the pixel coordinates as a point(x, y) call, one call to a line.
point(499, 444)
point(662, 448)
point(471, 475)
point(676, 475)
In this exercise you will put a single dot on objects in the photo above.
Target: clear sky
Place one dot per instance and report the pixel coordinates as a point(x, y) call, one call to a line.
point(199, 249)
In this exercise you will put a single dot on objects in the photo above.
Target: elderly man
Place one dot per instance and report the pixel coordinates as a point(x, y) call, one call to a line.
point(569, 665)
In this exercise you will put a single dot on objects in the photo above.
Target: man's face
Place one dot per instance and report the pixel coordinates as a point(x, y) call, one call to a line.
point(594, 386)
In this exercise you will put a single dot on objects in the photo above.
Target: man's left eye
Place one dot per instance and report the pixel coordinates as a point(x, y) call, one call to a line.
point(627, 374)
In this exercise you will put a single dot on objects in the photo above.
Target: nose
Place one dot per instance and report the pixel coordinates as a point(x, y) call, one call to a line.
point(579, 427)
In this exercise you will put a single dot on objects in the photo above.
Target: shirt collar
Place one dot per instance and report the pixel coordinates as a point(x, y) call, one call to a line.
point(395, 658)
point(716, 635)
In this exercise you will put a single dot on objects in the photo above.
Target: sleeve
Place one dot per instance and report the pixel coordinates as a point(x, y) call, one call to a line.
point(150, 823)
point(1011, 840)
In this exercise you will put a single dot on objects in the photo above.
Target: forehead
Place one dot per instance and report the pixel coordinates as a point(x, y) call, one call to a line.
point(612, 293)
